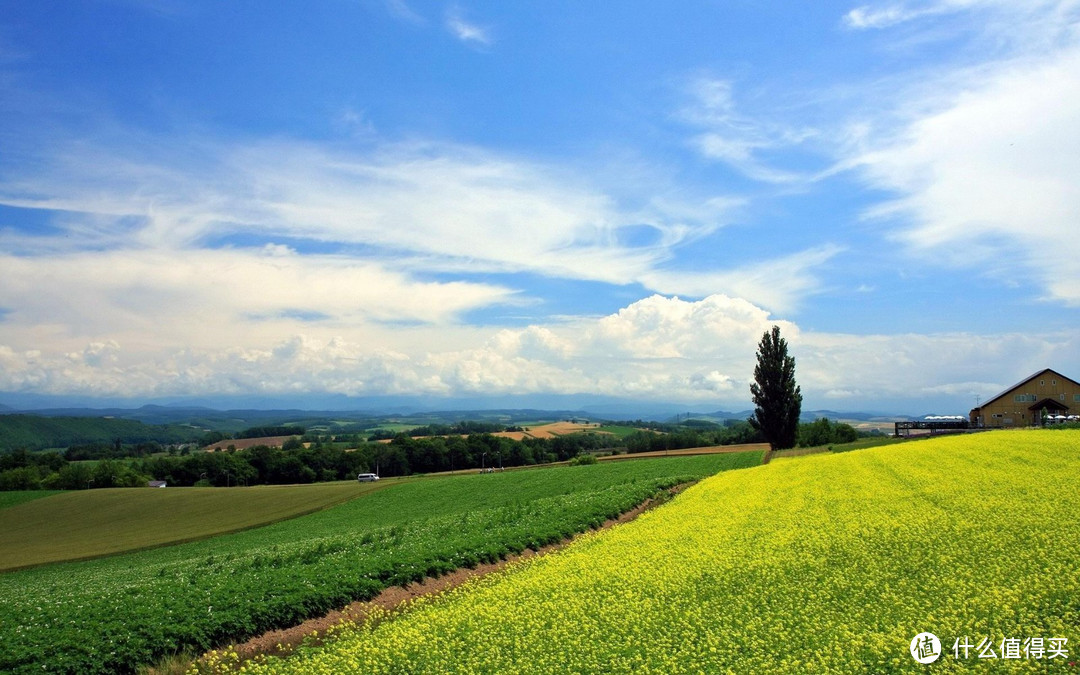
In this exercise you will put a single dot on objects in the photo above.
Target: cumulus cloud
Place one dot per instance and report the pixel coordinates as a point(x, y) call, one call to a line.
point(660, 327)
point(658, 348)
point(918, 367)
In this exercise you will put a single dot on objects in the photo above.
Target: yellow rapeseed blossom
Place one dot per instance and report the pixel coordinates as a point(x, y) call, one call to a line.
point(826, 564)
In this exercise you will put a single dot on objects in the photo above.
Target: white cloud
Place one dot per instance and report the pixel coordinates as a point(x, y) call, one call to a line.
point(883, 16)
point(401, 10)
point(995, 15)
point(142, 262)
point(414, 208)
point(659, 348)
point(464, 30)
point(734, 138)
point(957, 366)
point(660, 327)
point(779, 284)
point(987, 180)
point(202, 297)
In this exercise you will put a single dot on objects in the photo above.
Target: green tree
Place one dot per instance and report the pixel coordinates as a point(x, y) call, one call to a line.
point(22, 478)
point(777, 399)
point(819, 432)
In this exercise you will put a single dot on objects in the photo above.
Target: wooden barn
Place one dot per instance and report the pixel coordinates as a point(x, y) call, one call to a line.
point(1046, 397)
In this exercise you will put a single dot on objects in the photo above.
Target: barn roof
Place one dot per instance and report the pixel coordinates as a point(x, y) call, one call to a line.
point(1025, 381)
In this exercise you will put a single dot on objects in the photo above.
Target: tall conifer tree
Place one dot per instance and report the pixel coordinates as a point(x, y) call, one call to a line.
point(777, 399)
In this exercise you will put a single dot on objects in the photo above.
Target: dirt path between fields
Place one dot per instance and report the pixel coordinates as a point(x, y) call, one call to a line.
point(280, 642)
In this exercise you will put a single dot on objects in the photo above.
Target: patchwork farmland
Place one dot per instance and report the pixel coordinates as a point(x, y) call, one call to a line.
point(831, 562)
point(116, 613)
point(827, 563)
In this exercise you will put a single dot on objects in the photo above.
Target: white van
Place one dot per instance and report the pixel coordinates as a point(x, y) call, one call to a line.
point(367, 477)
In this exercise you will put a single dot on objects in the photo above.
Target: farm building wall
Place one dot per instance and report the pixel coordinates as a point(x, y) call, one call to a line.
point(1022, 404)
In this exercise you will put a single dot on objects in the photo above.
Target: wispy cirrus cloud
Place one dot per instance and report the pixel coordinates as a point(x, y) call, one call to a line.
point(779, 283)
point(416, 208)
point(981, 158)
point(465, 30)
point(1000, 24)
point(737, 139)
point(886, 15)
point(400, 9)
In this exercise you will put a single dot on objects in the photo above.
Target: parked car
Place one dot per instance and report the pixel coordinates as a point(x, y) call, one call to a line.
point(367, 477)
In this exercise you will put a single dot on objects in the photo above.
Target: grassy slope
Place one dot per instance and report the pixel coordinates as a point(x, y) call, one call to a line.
point(112, 613)
point(829, 563)
point(90, 523)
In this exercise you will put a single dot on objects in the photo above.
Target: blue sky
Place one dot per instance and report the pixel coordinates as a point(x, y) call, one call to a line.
point(458, 200)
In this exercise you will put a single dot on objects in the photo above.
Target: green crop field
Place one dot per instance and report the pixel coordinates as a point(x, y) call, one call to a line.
point(831, 563)
point(90, 523)
point(617, 430)
point(395, 427)
point(16, 497)
point(113, 614)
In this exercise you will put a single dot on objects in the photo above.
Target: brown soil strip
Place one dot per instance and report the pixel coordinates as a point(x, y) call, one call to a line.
point(284, 641)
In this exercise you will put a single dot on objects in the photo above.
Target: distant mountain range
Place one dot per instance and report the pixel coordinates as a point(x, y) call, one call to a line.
point(809, 416)
point(226, 419)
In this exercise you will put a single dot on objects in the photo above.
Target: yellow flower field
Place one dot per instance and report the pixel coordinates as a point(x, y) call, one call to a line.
point(827, 563)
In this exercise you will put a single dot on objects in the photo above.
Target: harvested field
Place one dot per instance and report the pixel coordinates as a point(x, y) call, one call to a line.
point(245, 443)
point(550, 430)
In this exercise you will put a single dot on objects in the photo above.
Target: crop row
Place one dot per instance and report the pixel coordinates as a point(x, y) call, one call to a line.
point(827, 564)
point(113, 614)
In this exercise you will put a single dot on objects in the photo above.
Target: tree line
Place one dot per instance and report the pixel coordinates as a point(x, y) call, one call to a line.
point(297, 462)
point(325, 459)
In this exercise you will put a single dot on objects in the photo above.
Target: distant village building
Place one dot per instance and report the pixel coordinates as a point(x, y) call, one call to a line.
point(1046, 397)
point(157, 483)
